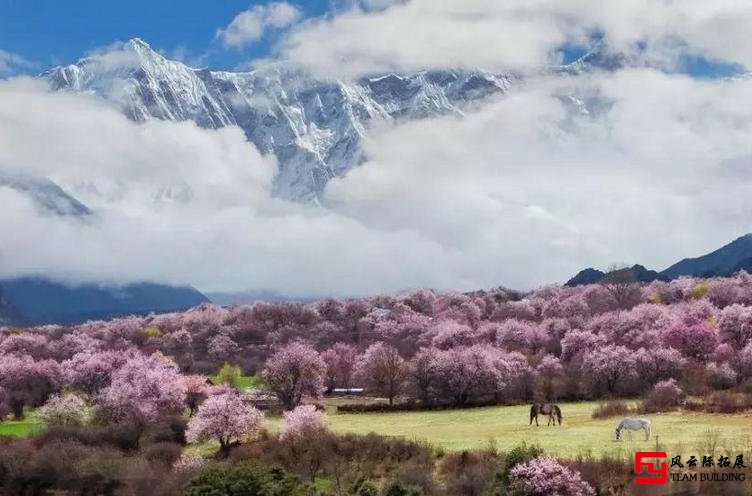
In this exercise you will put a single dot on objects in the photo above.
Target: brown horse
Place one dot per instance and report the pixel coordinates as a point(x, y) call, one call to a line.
point(553, 411)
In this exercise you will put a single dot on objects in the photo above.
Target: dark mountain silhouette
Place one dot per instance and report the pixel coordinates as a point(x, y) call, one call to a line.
point(34, 301)
point(636, 273)
point(725, 261)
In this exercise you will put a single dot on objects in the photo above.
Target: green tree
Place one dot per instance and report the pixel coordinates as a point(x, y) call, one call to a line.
point(230, 375)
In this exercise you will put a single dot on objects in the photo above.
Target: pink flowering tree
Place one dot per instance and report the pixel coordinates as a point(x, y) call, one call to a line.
point(195, 388)
point(28, 343)
point(294, 371)
point(224, 418)
point(27, 382)
point(664, 395)
point(721, 375)
point(469, 373)
point(340, 365)
point(91, 371)
point(222, 347)
point(424, 374)
point(64, 410)
point(521, 335)
point(449, 334)
point(550, 371)
point(302, 423)
point(577, 343)
point(382, 370)
point(545, 476)
point(694, 337)
point(655, 364)
point(148, 387)
point(610, 365)
point(745, 362)
point(735, 325)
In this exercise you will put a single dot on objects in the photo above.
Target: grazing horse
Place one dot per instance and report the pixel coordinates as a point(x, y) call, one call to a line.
point(553, 411)
point(633, 424)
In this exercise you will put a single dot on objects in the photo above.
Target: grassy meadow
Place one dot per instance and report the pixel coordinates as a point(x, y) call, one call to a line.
point(507, 426)
point(504, 427)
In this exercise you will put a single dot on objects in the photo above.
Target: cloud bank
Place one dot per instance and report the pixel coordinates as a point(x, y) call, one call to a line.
point(637, 165)
point(518, 35)
point(525, 190)
point(250, 25)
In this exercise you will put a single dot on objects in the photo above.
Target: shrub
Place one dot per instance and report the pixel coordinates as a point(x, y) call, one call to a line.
point(611, 409)
point(728, 402)
point(470, 472)
point(65, 410)
point(152, 332)
point(544, 476)
point(665, 395)
point(364, 487)
point(302, 423)
point(163, 452)
point(247, 478)
point(397, 488)
point(698, 290)
point(515, 456)
point(721, 376)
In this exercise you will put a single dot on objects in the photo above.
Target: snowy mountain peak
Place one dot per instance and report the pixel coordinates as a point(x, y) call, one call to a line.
point(314, 127)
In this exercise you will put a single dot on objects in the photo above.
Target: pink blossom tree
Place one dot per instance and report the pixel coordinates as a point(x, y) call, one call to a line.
point(465, 374)
point(610, 365)
point(577, 343)
point(302, 423)
point(294, 371)
point(222, 347)
point(90, 371)
point(550, 370)
point(745, 362)
point(64, 410)
point(721, 375)
point(148, 387)
point(693, 337)
point(225, 418)
point(27, 382)
point(656, 364)
point(382, 370)
point(735, 325)
point(340, 364)
point(424, 374)
point(196, 389)
point(448, 334)
point(545, 476)
point(28, 343)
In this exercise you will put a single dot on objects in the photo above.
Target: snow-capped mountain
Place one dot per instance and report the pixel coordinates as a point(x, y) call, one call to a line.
point(314, 127)
point(46, 195)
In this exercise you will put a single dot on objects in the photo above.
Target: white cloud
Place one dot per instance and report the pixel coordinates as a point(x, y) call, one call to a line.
point(526, 195)
point(513, 34)
point(11, 62)
point(250, 25)
point(218, 229)
point(518, 192)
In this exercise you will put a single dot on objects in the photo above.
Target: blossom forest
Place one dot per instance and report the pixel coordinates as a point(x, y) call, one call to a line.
point(157, 396)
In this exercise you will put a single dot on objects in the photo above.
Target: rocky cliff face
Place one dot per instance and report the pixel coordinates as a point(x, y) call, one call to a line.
point(314, 127)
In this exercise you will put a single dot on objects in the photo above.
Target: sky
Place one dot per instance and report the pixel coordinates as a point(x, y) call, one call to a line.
point(523, 189)
point(49, 32)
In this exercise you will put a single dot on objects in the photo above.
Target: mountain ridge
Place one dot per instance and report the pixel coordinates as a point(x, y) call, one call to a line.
point(314, 127)
point(724, 261)
point(37, 301)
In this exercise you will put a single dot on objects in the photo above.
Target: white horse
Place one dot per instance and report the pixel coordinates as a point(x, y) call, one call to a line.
point(633, 424)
